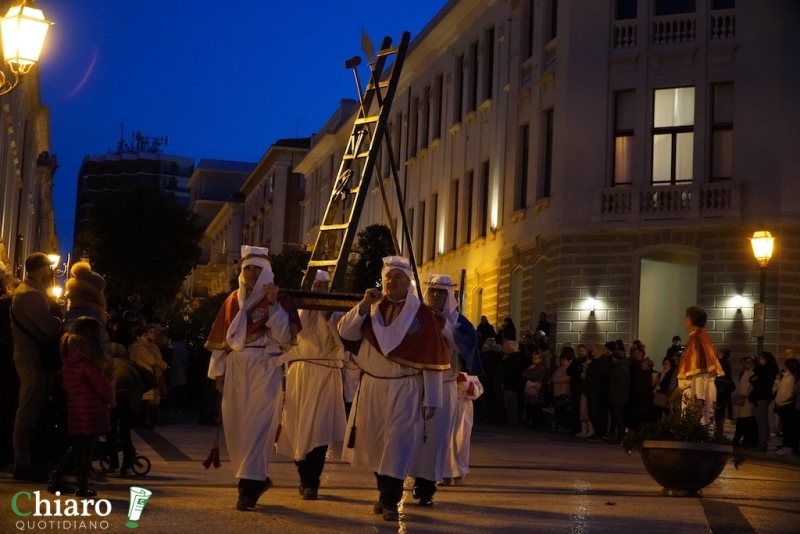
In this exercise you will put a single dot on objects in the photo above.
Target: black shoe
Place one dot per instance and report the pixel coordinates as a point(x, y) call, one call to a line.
point(85, 491)
point(309, 494)
point(377, 508)
point(301, 490)
point(390, 513)
point(29, 473)
point(426, 501)
point(60, 488)
point(249, 493)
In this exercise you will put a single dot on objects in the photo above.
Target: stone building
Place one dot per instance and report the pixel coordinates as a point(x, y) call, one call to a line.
point(602, 161)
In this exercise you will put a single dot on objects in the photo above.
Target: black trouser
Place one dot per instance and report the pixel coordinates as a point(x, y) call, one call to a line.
point(424, 488)
point(746, 431)
point(122, 417)
point(791, 434)
point(617, 419)
point(80, 455)
point(598, 413)
point(391, 490)
point(311, 468)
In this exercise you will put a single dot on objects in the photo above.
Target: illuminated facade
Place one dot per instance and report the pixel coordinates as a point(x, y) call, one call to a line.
point(602, 161)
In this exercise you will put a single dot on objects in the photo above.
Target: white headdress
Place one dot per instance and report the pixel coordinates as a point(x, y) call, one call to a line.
point(322, 276)
point(258, 256)
point(389, 337)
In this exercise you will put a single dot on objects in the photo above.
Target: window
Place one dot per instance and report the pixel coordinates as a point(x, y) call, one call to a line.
point(624, 120)
point(421, 232)
point(473, 77)
point(723, 4)
point(410, 222)
point(454, 192)
point(426, 117)
point(432, 226)
point(673, 135)
point(527, 29)
point(439, 107)
point(413, 128)
point(385, 161)
point(488, 70)
point(523, 162)
point(626, 9)
point(544, 191)
point(674, 7)
point(553, 20)
point(722, 132)
point(458, 100)
point(470, 185)
point(483, 220)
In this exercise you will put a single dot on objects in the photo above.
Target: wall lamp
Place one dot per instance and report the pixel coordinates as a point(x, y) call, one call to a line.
point(23, 31)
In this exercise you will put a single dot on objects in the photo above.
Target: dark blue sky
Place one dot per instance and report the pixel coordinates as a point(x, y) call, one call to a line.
point(222, 80)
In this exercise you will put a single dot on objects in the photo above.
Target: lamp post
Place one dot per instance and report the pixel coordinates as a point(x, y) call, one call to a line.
point(23, 31)
point(763, 244)
point(56, 290)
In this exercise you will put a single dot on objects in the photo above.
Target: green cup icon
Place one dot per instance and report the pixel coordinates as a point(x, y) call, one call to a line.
point(139, 498)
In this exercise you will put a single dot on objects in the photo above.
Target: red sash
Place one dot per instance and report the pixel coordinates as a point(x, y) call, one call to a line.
point(256, 323)
point(699, 357)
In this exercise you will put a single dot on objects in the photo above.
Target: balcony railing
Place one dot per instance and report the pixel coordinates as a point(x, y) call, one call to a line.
point(722, 25)
point(674, 29)
point(550, 50)
point(668, 202)
point(624, 34)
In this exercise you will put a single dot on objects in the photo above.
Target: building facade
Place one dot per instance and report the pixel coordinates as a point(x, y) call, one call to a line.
point(603, 161)
point(27, 168)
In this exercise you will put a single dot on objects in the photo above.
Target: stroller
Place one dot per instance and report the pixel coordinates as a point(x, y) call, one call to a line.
point(102, 454)
point(559, 412)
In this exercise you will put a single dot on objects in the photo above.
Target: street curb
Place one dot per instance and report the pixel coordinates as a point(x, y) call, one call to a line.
point(749, 454)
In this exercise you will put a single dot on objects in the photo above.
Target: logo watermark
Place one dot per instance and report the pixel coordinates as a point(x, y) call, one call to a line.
point(139, 498)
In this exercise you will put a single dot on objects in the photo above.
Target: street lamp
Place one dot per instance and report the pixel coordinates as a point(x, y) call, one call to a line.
point(763, 244)
point(56, 290)
point(23, 30)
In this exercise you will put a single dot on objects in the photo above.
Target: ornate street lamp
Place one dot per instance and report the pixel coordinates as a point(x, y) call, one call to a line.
point(763, 244)
point(57, 290)
point(23, 31)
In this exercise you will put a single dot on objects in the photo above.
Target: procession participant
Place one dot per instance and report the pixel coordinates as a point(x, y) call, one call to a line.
point(457, 465)
point(313, 411)
point(402, 354)
point(351, 374)
point(246, 361)
point(430, 456)
point(699, 364)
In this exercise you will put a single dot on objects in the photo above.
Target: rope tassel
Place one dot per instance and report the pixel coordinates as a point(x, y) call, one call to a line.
point(213, 456)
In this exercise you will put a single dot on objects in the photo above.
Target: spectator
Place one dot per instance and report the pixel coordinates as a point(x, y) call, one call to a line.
point(619, 344)
point(746, 425)
point(178, 375)
point(9, 380)
point(635, 345)
point(619, 394)
point(560, 379)
point(580, 406)
point(511, 367)
point(543, 325)
point(785, 408)
point(675, 347)
point(725, 388)
point(485, 330)
point(32, 325)
point(663, 399)
point(130, 383)
point(641, 389)
point(143, 355)
point(535, 380)
point(507, 332)
point(788, 354)
point(597, 382)
point(488, 407)
point(762, 381)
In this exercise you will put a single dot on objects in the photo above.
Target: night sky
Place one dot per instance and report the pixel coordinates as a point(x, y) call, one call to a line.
point(222, 80)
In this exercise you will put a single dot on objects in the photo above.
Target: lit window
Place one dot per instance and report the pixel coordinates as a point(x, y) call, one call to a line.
point(673, 135)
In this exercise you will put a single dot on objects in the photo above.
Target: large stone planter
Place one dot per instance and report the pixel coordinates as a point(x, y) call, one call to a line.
point(683, 468)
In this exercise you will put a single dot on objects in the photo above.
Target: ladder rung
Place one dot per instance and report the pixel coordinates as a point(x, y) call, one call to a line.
point(356, 156)
point(333, 227)
point(388, 51)
point(383, 85)
point(368, 120)
point(323, 263)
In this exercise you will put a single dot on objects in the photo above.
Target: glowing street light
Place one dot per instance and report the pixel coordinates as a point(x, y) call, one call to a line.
point(23, 31)
point(763, 244)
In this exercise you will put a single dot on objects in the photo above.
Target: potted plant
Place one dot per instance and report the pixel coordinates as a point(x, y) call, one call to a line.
point(680, 452)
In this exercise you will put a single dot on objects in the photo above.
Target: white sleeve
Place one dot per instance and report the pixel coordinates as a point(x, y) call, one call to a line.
point(278, 324)
point(432, 381)
point(350, 328)
point(217, 366)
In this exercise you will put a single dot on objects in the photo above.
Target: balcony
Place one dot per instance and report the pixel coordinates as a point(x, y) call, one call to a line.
point(624, 34)
point(674, 29)
point(550, 50)
point(668, 202)
point(722, 25)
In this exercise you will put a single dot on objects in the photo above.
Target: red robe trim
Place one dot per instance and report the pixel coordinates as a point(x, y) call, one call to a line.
point(699, 357)
point(256, 323)
point(423, 346)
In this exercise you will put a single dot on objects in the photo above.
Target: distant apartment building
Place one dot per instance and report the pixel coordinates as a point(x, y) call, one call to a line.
point(110, 172)
point(602, 161)
point(27, 218)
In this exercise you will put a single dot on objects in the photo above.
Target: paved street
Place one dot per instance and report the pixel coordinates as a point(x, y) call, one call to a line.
point(520, 482)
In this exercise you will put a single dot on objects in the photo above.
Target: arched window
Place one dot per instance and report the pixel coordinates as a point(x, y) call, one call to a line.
point(515, 299)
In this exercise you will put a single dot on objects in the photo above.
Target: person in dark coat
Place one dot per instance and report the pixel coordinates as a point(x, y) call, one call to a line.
point(725, 387)
point(575, 372)
point(89, 394)
point(9, 380)
point(507, 332)
point(763, 380)
point(512, 365)
point(619, 394)
point(596, 383)
point(130, 382)
point(640, 401)
point(485, 331)
point(543, 325)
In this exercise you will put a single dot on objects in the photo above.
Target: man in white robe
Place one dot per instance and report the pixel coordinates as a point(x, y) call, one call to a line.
point(246, 363)
point(457, 464)
point(313, 411)
point(402, 354)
